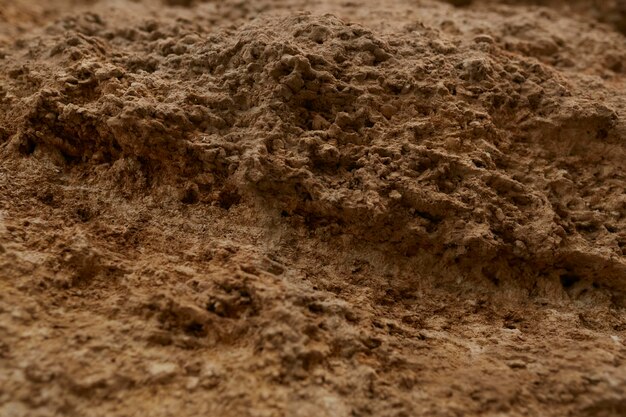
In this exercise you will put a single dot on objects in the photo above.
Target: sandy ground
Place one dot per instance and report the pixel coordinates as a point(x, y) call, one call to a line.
point(312, 208)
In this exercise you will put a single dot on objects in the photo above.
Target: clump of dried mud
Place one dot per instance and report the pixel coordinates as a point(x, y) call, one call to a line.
point(292, 208)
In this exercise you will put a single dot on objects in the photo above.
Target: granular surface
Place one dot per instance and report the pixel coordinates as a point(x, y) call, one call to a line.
point(312, 208)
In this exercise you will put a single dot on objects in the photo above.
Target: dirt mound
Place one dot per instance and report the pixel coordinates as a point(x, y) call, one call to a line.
point(410, 141)
point(359, 212)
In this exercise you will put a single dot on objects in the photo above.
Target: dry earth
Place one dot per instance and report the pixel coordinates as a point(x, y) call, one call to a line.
point(312, 208)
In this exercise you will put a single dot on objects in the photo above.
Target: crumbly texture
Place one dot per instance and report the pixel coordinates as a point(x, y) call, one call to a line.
point(612, 12)
point(312, 208)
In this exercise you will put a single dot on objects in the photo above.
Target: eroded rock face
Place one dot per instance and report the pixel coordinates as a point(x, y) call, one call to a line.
point(337, 207)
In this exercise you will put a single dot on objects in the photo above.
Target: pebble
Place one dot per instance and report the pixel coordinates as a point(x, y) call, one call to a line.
point(516, 364)
point(482, 38)
point(162, 372)
point(192, 383)
point(395, 195)
point(388, 110)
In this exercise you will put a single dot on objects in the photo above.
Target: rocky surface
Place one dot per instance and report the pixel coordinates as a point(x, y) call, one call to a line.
point(292, 208)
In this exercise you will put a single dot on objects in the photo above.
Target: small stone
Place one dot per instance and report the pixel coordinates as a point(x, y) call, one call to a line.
point(388, 110)
point(294, 81)
point(284, 92)
point(329, 153)
point(395, 195)
point(192, 383)
point(160, 337)
point(518, 78)
point(476, 69)
point(210, 376)
point(482, 38)
point(319, 123)
point(162, 372)
point(343, 120)
point(334, 131)
point(372, 342)
point(516, 364)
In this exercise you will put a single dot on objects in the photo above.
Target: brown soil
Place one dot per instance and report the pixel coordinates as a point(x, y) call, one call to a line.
point(312, 208)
